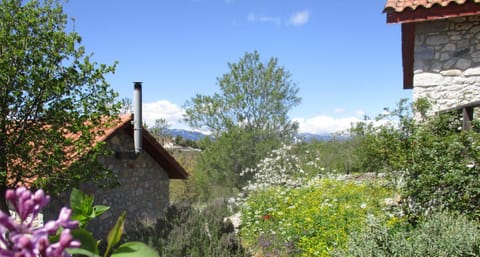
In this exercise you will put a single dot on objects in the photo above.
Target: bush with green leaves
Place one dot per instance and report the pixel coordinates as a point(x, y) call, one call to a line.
point(281, 167)
point(438, 234)
point(334, 156)
point(188, 231)
point(383, 144)
point(311, 220)
point(436, 161)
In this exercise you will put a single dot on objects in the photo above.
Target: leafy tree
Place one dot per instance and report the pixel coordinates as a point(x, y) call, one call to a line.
point(255, 96)
point(49, 89)
point(160, 129)
point(248, 119)
point(126, 105)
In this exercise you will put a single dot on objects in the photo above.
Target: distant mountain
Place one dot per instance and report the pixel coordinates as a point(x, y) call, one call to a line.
point(195, 136)
point(309, 137)
point(186, 134)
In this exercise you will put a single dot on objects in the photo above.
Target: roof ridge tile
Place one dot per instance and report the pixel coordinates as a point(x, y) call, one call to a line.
point(402, 5)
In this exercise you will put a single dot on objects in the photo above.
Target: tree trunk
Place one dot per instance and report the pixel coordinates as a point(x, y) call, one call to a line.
point(3, 200)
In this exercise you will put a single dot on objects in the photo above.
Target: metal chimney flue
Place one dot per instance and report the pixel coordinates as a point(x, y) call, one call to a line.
point(137, 116)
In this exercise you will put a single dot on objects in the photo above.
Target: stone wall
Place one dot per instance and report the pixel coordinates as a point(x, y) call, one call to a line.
point(143, 189)
point(447, 61)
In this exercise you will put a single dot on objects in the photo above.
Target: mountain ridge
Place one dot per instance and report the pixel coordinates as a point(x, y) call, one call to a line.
point(195, 135)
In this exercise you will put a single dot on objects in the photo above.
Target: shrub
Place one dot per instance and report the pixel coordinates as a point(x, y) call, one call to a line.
point(308, 221)
point(439, 234)
point(383, 144)
point(187, 231)
point(334, 156)
point(443, 172)
point(432, 161)
point(282, 167)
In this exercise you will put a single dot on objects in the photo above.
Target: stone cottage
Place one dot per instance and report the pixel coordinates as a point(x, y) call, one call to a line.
point(143, 189)
point(143, 177)
point(440, 50)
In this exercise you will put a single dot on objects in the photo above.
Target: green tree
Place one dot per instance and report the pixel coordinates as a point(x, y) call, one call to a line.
point(160, 129)
point(49, 89)
point(255, 96)
point(248, 118)
point(126, 106)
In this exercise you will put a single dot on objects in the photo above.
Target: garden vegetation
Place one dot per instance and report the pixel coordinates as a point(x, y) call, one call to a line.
point(402, 184)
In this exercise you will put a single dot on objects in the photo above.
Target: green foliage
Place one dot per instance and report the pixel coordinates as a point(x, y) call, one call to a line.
point(227, 156)
point(311, 220)
point(433, 162)
point(255, 95)
point(84, 211)
point(183, 190)
point(179, 140)
point(438, 234)
point(282, 167)
point(248, 118)
point(187, 231)
point(443, 173)
point(333, 156)
point(49, 88)
point(383, 144)
point(134, 249)
point(159, 130)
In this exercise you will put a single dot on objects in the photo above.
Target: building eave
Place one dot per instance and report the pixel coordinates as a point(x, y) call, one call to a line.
point(436, 12)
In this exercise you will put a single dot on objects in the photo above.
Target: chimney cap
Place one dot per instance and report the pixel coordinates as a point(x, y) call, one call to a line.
point(137, 84)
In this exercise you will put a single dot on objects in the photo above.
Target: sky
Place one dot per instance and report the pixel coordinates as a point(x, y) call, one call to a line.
point(343, 57)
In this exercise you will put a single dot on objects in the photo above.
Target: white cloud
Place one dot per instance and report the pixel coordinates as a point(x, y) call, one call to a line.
point(253, 18)
point(296, 19)
point(325, 124)
point(172, 113)
point(320, 124)
point(360, 113)
point(299, 18)
point(339, 110)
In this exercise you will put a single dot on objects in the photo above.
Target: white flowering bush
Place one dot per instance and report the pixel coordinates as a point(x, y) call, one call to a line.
point(282, 167)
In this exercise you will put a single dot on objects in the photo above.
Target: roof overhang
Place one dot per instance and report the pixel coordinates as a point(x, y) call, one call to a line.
point(433, 13)
point(150, 146)
point(160, 155)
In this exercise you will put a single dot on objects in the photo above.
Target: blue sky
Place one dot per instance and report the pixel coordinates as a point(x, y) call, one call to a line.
point(342, 55)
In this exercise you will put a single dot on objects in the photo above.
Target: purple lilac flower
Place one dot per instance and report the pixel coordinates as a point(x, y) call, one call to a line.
point(21, 239)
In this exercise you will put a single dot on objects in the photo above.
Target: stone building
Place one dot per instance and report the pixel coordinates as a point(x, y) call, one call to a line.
point(143, 189)
point(440, 49)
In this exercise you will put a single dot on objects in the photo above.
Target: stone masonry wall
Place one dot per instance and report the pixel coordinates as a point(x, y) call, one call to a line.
point(143, 191)
point(447, 61)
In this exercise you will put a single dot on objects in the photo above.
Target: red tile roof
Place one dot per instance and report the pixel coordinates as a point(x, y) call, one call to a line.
point(401, 5)
point(421, 10)
point(150, 145)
